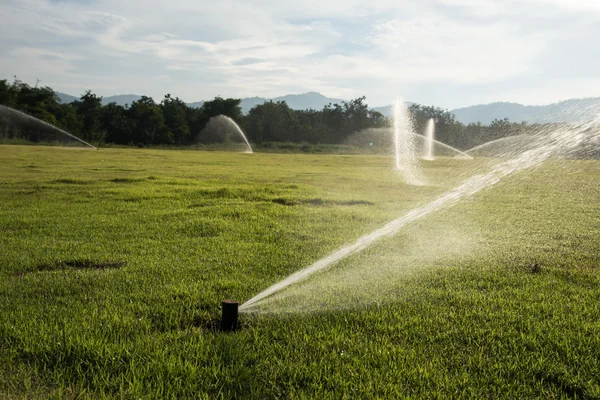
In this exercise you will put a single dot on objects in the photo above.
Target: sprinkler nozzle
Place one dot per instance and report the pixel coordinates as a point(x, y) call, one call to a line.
point(229, 317)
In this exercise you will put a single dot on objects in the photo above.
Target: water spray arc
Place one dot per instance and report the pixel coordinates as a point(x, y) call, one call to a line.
point(488, 148)
point(563, 141)
point(461, 154)
point(406, 157)
point(428, 144)
point(4, 109)
point(239, 130)
point(221, 126)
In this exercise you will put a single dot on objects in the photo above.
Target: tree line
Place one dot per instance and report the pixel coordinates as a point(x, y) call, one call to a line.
point(173, 122)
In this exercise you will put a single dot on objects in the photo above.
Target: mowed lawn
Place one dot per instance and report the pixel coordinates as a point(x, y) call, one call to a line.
point(113, 265)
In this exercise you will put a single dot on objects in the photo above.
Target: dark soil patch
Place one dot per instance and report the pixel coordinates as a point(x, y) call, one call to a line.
point(80, 264)
point(320, 202)
point(125, 180)
point(69, 181)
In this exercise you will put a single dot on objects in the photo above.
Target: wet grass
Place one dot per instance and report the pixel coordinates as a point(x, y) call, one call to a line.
point(113, 264)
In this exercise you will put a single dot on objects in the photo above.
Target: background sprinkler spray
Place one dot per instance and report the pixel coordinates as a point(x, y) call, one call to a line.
point(8, 110)
point(406, 158)
point(221, 125)
point(428, 144)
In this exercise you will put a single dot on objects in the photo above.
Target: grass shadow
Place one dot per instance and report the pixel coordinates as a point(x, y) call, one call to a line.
point(78, 264)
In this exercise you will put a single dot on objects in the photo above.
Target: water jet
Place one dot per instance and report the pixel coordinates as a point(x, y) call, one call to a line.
point(551, 142)
point(428, 144)
point(222, 129)
point(504, 147)
point(8, 110)
point(406, 158)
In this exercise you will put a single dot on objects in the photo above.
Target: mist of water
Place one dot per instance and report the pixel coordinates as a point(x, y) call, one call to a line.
point(9, 111)
point(428, 144)
point(564, 141)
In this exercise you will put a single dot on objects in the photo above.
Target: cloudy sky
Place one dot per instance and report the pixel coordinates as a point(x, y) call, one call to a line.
point(449, 53)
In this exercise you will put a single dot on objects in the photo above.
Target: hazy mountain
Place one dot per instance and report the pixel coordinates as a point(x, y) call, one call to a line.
point(307, 100)
point(564, 111)
point(66, 98)
point(303, 101)
point(572, 110)
point(388, 111)
point(196, 104)
point(250, 102)
point(385, 110)
point(120, 99)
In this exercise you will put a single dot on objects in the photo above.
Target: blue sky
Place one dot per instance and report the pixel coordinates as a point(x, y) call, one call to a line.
point(449, 53)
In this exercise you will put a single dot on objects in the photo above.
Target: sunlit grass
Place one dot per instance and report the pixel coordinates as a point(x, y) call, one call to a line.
point(113, 264)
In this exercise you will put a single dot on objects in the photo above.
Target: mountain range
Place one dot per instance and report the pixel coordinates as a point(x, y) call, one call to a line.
point(565, 111)
point(302, 101)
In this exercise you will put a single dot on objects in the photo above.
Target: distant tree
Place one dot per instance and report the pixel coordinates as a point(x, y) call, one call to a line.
point(377, 120)
point(67, 119)
point(270, 122)
point(174, 113)
point(356, 113)
point(38, 102)
point(116, 123)
point(220, 106)
point(173, 122)
point(310, 127)
point(447, 128)
point(148, 124)
point(8, 94)
point(334, 119)
point(195, 120)
point(88, 108)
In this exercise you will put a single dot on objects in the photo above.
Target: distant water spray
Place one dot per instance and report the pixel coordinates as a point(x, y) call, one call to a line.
point(461, 154)
point(384, 137)
point(8, 110)
point(564, 141)
point(504, 147)
point(221, 127)
point(239, 130)
point(406, 158)
point(428, 144)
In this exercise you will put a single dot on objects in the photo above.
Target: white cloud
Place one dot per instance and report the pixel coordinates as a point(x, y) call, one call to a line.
point(438, 48)
point(197, 50)
point(574, 5)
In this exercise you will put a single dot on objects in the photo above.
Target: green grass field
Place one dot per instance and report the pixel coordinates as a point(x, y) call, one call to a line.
point(113, 265)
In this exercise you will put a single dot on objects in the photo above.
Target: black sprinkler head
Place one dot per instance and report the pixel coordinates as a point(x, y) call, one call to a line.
point(229, 316)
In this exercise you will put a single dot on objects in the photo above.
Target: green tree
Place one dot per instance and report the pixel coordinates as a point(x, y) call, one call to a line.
point(67, 119)
point(333, 118)
point(8, 94)
point(174, 113)
point(220, 106)
point(88, 108)
point(118, 126)
point(271, 122)
point(356, 113)
point(148, 124)
point(447, 129)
